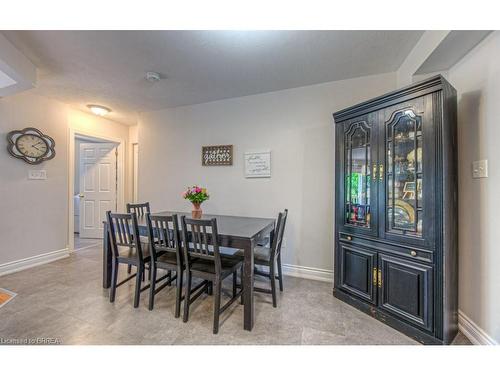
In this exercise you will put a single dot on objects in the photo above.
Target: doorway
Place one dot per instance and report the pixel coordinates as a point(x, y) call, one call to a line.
point(96, 186)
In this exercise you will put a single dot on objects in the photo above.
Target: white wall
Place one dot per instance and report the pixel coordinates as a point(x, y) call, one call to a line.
point(296, 125)
point(34, 218)
point(477, 80)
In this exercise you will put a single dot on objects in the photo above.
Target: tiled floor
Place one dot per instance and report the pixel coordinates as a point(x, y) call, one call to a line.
point(83, 243)
point(64, 300)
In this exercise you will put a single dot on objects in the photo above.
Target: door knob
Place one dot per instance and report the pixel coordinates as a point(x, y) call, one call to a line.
point(81, 195)
point(413, 253)
point(348, 238)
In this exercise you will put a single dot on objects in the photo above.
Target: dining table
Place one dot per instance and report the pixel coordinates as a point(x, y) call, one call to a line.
point(236, 232)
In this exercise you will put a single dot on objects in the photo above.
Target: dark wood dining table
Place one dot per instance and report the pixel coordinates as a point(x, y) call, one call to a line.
point(237, 232)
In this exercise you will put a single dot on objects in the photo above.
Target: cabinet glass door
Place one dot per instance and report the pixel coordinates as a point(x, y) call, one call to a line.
point(404, 181)
point(359, 212)
point(408, 184)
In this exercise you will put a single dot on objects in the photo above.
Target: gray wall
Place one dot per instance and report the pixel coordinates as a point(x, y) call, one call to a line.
point(35, 219)
point(477, 80)
point(296, 125)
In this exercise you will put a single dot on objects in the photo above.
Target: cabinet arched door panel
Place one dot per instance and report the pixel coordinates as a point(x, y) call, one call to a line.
point(407, 189)
point(357, 198)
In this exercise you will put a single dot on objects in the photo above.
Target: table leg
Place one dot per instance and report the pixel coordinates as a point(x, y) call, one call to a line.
point(248, 266)
point(106, 258)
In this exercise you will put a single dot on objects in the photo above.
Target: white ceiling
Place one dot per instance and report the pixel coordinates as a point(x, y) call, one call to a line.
point(108, 67)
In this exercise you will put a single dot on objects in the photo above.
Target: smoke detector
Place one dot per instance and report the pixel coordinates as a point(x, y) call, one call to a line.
point(153, 76)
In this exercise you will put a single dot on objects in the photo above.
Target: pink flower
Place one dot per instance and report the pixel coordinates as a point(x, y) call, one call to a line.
point(198, 190)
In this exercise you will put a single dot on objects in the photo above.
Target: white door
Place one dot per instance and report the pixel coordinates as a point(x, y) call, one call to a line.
point(135, 174)
point(98, 163)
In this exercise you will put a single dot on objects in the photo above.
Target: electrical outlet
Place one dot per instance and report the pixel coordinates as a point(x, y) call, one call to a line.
point(480, 169)
point(37, 174)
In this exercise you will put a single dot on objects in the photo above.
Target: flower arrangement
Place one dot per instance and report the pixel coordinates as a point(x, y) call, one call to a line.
point(196, 194)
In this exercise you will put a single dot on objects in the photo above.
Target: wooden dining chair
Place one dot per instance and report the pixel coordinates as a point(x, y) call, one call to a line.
point(203, 260)
point(140, 209)
point(126, 249)
point(166, 254)
point(270, 257)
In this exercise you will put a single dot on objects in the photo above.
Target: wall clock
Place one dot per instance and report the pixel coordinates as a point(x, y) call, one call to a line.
point(30, 145)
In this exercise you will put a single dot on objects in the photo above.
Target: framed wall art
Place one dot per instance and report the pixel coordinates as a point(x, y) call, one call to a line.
point(258, 164)
point(217, 155)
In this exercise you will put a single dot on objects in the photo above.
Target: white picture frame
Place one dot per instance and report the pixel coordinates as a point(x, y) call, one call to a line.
point(258, 164)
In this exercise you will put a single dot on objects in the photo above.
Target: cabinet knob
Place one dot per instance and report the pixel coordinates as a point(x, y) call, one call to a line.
point(348, 238)
point(413, 253)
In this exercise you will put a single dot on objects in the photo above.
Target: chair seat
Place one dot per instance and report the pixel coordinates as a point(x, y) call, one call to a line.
point(228, 265)
point(168, 258)
point(129, 255)
point(262, 255)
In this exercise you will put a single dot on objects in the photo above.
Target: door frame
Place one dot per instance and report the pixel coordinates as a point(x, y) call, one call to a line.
point(120, 196)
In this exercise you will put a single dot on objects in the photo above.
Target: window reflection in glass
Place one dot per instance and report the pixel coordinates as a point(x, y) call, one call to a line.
point(357, 175)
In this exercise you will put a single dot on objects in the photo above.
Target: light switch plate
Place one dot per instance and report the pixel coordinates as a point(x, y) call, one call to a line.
point(480, 169)
point(37, 174)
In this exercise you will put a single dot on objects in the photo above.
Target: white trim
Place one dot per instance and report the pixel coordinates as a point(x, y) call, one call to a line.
point(37, 260)
point(88, 246)
point(473, 332)
point(310, 273)
point(122, 146)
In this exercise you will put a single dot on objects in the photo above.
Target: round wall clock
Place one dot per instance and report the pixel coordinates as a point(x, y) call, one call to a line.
point(31, 145)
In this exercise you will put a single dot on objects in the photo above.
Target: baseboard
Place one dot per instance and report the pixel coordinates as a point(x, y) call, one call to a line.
point(473, 332)
point(308, 273)
point(37, 260)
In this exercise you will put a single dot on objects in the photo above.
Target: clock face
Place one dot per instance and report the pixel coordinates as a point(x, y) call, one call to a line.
point(30, 145)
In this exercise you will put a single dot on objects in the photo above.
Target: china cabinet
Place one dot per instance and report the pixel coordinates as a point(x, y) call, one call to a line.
point(396, 209)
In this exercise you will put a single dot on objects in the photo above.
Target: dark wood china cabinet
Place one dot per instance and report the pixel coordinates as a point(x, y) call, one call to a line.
point(396, 209)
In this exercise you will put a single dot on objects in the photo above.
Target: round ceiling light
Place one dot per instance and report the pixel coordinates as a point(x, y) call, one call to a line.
point(153, 77)
point(98, 110)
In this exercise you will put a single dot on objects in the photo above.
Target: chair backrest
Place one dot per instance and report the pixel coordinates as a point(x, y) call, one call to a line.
point(163, 234)
point(140, 209)
point(124, 231)
point(278, 234)
point(200, 240)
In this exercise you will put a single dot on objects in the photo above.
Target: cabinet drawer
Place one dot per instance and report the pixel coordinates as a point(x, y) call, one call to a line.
point(408, 252)
point(406, 290)
point(358, 271)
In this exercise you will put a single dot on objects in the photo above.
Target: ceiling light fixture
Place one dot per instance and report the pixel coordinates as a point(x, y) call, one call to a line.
point(153, 76)
point(98, 110)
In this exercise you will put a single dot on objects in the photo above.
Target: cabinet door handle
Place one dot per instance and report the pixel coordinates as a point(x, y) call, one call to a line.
point(381, 172)
point(374, 276)
point(380, 278)
point(348, 238)
point(374, 172)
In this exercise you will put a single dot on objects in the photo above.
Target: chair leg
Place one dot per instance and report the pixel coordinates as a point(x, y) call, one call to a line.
point(187, 296)
point(235, 275)
point(129, 269)
point(143, 275)
point(178, 292)
point(169, 273)
point(114, 279)
point(218, 287)
point(280, 272)
point(273, 284)
point(152, 285)
point(138, 279)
